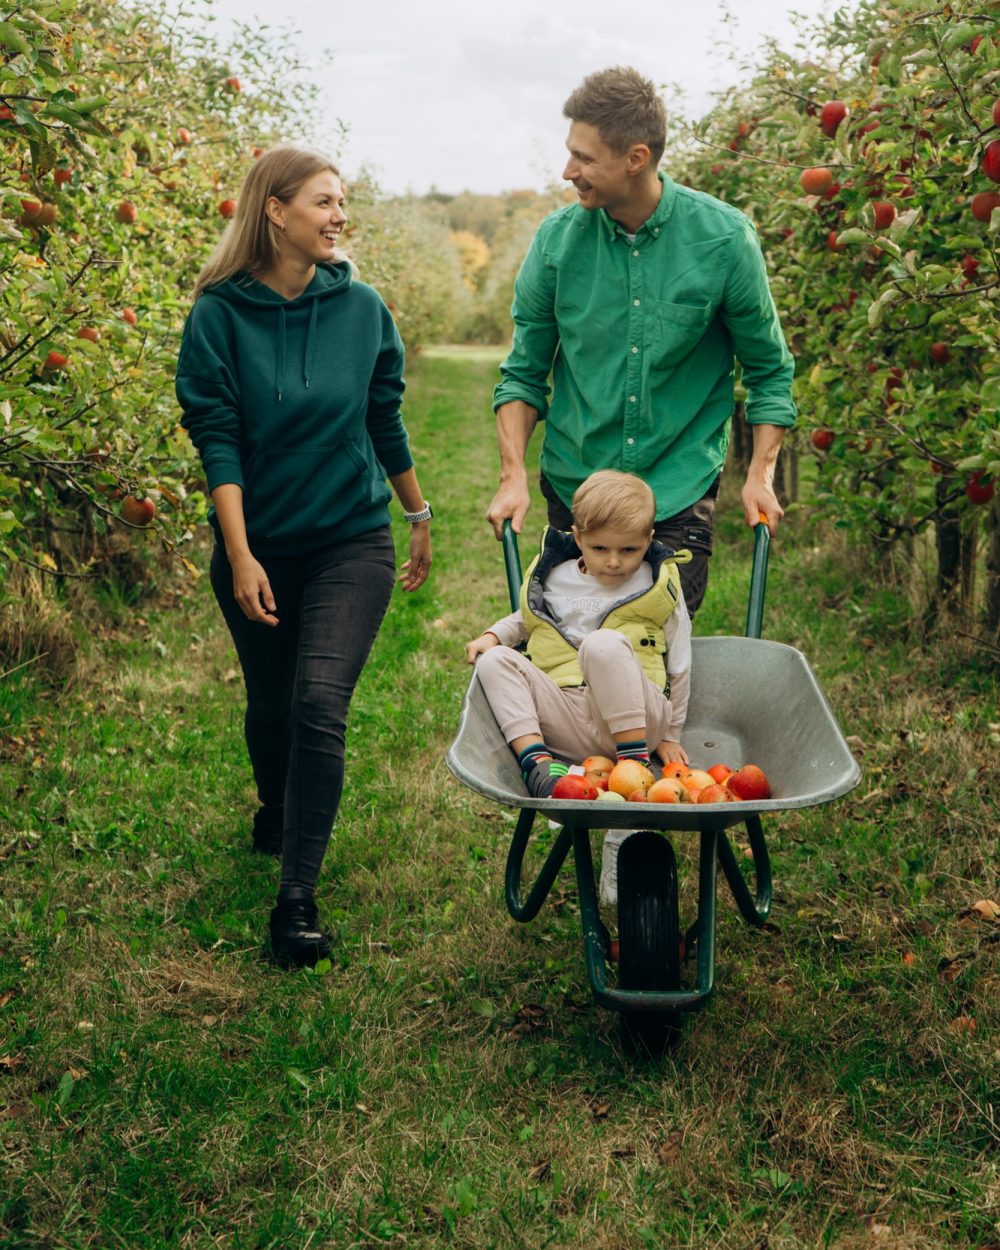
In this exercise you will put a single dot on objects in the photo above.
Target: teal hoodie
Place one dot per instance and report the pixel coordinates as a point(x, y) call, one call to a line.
point(296, 401)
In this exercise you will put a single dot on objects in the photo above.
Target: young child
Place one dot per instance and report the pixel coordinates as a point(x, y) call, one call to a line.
point(607, 658)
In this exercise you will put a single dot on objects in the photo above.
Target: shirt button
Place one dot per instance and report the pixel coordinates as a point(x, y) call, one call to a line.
point(656, 229)
point(630, 441)
point(635, 303)
point(631, 400)
point(635, 252)
point(634, 350)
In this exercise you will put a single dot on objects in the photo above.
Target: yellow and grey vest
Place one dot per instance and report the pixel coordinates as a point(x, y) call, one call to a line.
point(640, 617)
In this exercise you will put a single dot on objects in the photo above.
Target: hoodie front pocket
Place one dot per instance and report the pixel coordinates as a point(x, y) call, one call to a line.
point(291, 493)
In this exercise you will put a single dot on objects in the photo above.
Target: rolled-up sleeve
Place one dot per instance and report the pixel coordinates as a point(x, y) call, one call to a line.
point(524, 374)
point(752, 320)
point(208, 394)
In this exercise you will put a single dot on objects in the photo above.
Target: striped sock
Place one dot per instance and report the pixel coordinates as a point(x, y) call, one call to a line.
point(637, 750)
point(532, 755)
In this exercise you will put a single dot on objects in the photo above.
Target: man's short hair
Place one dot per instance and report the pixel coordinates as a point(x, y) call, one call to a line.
point(624, 107)
point(614, 500)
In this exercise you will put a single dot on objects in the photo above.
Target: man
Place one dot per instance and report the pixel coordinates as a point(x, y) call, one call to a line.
point(637, 299)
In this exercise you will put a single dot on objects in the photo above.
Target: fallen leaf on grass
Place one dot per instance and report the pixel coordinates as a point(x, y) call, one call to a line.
point(6, 997)
point(985, 909)
point(952, 969)
point(669, 1150)
point(599, 1110)
point(9, 1062)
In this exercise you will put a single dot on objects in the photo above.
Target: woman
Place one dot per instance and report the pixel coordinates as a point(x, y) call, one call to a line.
point(290, 378)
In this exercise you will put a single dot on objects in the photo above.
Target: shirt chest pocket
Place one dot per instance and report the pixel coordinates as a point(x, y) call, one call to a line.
point(674, 330)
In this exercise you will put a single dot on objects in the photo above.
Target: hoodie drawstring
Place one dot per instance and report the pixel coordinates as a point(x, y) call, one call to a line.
point(310, 343)
point(279, 380)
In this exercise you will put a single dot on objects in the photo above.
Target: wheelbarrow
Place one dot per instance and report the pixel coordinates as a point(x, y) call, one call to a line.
point(752, 701)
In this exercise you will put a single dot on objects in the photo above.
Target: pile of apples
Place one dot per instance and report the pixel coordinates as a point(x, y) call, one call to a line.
point(632, 782)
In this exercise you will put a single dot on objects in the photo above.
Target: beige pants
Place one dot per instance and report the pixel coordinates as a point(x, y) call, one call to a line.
point(576, 721)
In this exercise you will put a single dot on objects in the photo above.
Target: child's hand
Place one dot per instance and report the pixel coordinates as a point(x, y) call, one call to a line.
point(475, 648)
point(668, 751)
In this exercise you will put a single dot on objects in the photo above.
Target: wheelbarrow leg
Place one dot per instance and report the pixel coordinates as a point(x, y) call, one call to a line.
point(529, 909)
point(753, 910)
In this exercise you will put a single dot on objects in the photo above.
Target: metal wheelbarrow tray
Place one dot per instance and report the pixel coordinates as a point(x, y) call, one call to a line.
point(752, 701)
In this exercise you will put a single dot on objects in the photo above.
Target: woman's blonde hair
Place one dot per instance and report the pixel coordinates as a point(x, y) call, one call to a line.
point(250, 241)
point(619, 501)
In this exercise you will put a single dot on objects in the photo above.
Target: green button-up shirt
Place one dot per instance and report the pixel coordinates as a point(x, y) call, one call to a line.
point(639, 337)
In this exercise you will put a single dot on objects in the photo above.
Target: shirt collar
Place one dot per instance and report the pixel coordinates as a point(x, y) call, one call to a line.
point(655, 223)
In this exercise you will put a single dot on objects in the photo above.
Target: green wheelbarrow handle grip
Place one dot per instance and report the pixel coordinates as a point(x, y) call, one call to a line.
point(758, 579)
point(512, 563)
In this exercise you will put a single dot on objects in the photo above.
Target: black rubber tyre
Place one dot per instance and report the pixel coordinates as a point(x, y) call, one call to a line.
point(649, 939)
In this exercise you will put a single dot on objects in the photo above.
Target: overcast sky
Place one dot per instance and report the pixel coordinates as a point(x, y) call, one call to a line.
point(462, 95)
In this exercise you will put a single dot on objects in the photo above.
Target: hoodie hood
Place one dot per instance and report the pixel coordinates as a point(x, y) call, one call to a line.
point(327, 281)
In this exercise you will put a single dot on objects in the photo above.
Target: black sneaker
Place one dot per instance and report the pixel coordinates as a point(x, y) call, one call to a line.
point(268, 823)
point(296, 940)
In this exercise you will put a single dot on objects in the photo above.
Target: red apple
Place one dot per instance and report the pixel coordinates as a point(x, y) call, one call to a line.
point(893, 381)
point(126, 212)
point(714, 794)
point(748, 784)
point(574, 787)
point(816, 181)
point(56, 360)
point(129, 316)
point(991, 161)
point(940, 353)
point(62, 176)
point(969, 265)
point(138, 511)
point(184, 136)
point(976, 490)
point(983, 203)
point(996, 112)
point(831, 241)
point(227, 208)
point(638, 796)
point(822, 440)
point(90, 333)
point(719, 772)
point(6, 114)
point(628, 776)
point(233, 84)
point(885, 214)
point(830, 117)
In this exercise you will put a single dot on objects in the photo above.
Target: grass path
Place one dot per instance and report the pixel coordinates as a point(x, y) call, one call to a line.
point(162, 1085)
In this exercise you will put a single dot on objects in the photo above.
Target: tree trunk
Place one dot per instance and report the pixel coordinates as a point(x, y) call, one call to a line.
point(992, 592)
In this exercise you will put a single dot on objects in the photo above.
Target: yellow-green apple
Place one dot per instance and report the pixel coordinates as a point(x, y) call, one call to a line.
point(628, 776)
point(697, 779)
point(666, 790)
point(610, 796)
point(598, 764)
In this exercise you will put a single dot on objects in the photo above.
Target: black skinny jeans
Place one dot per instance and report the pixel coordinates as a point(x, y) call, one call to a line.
point(300, 676)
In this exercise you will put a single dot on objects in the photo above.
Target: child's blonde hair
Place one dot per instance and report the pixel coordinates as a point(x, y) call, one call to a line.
point(620, 501)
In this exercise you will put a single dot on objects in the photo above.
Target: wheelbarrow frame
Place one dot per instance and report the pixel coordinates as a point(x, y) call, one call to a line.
point(710, 820)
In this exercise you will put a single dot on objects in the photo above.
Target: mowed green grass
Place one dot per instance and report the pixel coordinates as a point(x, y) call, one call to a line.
point(163, 1085)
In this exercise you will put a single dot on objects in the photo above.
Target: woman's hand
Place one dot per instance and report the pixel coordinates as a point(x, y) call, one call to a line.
point(415, 569)
point(475, 648)
point(252, 590)
point(668, 751)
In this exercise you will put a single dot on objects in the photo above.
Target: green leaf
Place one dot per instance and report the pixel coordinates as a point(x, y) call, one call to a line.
point(11, 37)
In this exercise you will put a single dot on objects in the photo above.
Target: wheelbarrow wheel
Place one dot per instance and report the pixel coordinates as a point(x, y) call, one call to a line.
point(649, 939)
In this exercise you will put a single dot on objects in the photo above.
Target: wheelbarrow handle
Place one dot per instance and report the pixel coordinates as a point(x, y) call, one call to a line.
point(758, 578)
point(512, 563)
